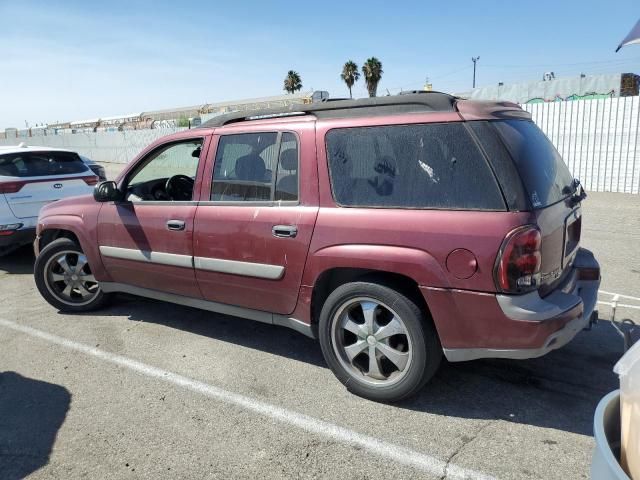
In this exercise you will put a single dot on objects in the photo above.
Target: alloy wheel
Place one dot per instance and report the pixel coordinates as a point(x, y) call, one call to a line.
point(69, 278)
point(371, 341)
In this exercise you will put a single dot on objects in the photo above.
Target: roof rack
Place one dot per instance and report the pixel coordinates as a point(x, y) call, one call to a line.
point(393, 104)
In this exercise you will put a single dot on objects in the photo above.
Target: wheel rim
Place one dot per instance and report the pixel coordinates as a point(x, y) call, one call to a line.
point(68, 277)
point(371, 341)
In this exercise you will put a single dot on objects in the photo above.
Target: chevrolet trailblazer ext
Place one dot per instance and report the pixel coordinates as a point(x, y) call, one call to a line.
point(393, 229)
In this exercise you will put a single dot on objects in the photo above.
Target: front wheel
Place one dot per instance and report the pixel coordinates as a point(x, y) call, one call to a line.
point(377, 341)
point(64, 278)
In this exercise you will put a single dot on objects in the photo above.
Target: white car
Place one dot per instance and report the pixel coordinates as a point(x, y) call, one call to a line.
point(31, 177)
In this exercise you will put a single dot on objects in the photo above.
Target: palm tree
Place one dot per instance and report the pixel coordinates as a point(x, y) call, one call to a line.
point(350, 74)
point(372, 70)
point(292, 82)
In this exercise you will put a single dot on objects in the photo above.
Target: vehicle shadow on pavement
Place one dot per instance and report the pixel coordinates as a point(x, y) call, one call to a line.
point(273, 339)
point(18, 262)
point(31, 413)
point(558, 391)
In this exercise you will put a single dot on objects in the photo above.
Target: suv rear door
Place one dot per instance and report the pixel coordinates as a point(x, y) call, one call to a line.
point(252, 233)
point(549, 186)
point(31, 179)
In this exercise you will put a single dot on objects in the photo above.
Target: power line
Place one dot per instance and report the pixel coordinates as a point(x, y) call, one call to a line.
point(439, 77)
point(544, 65)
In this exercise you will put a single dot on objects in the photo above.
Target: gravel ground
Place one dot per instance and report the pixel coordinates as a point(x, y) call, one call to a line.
point(145, 389)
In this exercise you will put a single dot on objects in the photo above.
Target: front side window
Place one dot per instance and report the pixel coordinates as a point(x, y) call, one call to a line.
point(256, 167)
point(41, 164)
point(410, 166)
point(168, 174)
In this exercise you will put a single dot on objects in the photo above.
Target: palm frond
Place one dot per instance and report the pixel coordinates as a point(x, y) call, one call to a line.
point(292, 82)
point(350, 74)
point(372, 71)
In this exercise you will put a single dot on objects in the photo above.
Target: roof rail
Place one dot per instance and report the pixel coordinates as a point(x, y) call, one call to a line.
point(393, 104)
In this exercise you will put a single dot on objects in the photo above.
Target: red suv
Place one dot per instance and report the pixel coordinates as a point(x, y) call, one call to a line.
point(393, 229)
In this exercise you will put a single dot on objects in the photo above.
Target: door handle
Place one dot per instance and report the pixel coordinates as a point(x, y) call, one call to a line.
point(175, 225)
point(284, 231)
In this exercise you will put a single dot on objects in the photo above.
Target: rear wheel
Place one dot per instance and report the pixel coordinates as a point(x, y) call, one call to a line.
point(64, 278)
point(377, 341)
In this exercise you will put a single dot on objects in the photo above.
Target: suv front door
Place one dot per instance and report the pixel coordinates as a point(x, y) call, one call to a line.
point(252, 236)
point(146, 240)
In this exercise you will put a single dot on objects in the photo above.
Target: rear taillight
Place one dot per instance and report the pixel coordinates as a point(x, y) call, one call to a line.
point(518, 265)
point(11, 187)
point(91, 180)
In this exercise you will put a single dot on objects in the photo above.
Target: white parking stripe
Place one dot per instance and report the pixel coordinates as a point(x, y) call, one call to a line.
point(619, 295)
point(397, 453)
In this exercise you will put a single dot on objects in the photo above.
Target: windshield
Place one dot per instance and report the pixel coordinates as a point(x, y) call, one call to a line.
point(544, 174)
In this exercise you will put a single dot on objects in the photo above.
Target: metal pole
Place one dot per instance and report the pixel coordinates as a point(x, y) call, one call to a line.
point(474, 60)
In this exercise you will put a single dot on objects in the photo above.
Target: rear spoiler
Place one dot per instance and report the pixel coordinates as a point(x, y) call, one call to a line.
point(485, 110)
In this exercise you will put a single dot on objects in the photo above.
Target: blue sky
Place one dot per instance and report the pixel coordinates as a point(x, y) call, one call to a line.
point(74, 60)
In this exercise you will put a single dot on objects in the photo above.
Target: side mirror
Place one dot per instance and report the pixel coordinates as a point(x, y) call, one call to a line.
point(107, 192)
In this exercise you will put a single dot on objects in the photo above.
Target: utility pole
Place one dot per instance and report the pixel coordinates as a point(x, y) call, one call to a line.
point(474, 60)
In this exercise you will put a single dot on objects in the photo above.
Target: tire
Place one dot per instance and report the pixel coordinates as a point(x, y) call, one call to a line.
point(60, 283)
point(411, 341)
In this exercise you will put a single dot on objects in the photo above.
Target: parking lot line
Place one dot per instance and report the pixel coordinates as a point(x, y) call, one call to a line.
point(397, 453)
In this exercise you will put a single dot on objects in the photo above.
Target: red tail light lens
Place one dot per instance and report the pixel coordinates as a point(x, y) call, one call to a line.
point(92, 180)
point(518, 265)
point(11, 187)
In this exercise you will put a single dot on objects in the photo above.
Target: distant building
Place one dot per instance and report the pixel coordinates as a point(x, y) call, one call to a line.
point(171, 117)
point(554, 89)
point(213, 109)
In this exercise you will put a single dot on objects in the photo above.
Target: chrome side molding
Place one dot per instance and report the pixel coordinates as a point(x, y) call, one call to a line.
point(233, 267)
point(162, 258)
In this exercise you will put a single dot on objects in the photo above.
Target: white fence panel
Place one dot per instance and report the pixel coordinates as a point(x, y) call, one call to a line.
point(598, 140)
point(118, 147)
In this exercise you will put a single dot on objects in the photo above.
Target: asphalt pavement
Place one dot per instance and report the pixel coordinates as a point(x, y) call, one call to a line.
point(145, 389)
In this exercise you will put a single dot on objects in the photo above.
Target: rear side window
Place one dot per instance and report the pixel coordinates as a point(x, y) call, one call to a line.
point(542, 170)
point(503, 167)
point(411, 166)
point(256, 167)
point(40, 164)
point(287, 181)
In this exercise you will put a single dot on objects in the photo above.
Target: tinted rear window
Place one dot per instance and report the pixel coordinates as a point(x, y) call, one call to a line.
point(38, 164)
point(411, 166)
point(542, 170)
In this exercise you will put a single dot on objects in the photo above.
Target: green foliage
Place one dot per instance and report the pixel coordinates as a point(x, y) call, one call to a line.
point(350, 74)
point(183, 122)
point(292, 82)
point(372, 70)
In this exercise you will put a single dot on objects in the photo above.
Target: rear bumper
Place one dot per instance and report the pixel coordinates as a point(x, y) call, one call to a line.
point(20, 237)
point(476, 325)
